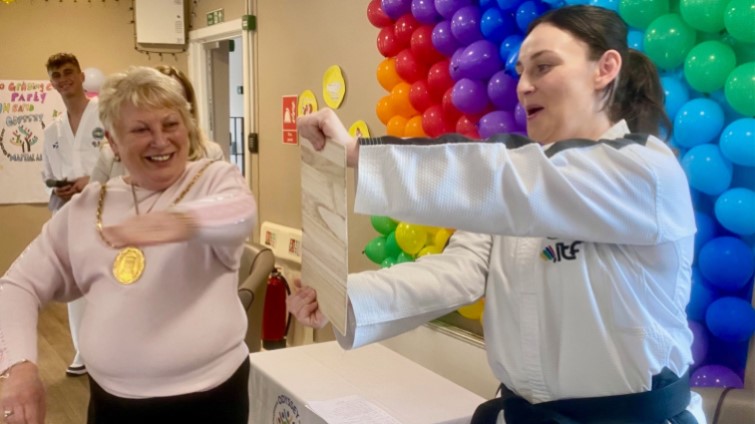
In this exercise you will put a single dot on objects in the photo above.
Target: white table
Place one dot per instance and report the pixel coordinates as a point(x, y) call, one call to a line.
point(283, 381)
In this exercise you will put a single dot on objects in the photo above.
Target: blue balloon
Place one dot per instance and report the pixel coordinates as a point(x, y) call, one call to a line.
point(605, 4)
point(509, 44)
point(527, 12)
point(707, 169)
point(699, 121)
point(496, 25)
point(555, 4)
point(508, 4)
point(735, 210)
point(701, 296)
point(729, 113)
point(731, 319)
point(486, 4)
point(738, 142)
point(726, 263)
point(676, 92)
point(635, 40)
point(744, 176)
point(706, 230)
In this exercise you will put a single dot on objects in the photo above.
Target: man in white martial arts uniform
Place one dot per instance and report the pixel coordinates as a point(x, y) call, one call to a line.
point(72, 146)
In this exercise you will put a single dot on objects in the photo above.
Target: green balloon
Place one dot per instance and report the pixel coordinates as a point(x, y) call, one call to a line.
point(404, 257)
point(745, 51)
point(668, 40)
point(388, 262)
point(739, 20)
point(392, 248)
point(704, 15)
point(708, 65)
point(383, 224)
point(375, 249)
point(740, 89)
point(640, 13)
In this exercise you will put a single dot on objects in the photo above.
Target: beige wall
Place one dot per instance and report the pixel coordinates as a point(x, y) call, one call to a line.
point(296, 42)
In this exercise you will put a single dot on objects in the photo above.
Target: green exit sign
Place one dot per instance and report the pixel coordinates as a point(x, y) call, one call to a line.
point(215, 17)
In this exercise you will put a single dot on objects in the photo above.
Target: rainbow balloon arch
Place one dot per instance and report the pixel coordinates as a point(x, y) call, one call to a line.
point(449, 67)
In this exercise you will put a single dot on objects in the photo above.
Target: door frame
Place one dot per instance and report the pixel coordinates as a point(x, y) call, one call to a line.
point(201, 43)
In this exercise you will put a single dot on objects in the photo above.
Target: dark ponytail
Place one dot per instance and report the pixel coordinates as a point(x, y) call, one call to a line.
point(638, 95)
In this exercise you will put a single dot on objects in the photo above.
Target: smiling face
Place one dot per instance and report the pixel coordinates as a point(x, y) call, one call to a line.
point(561, 88)
point(153, 145)
point(67, 79)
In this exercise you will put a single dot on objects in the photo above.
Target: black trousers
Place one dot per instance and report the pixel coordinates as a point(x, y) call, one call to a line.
point(227, 404)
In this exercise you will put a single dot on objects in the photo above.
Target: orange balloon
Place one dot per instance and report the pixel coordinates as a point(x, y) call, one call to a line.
point(386, 74)
point(414, 127)
point(396, 126)
point(400, 100)
point(384, 109)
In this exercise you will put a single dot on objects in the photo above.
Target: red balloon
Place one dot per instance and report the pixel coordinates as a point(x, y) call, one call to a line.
point(404, 28)
point(387, 43)
point(439, 79)
point(409, 68)
point(450, 112)
point(376, 16)
point(467, 128)
point(433, 122)
point(422, 45)
point(419, 96)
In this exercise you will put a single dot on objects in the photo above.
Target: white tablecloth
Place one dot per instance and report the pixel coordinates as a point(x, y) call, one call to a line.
point(283, 381)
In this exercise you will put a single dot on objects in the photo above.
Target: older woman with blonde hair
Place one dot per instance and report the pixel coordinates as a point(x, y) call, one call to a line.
point(156, 254)
point(108, 166)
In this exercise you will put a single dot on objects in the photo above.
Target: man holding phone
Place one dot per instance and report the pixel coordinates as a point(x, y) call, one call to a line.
point(72, 146)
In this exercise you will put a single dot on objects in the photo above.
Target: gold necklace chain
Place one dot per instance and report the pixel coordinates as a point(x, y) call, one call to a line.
point(103, 192)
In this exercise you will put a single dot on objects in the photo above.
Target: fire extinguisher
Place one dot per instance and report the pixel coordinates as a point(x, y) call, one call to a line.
point(275, 317)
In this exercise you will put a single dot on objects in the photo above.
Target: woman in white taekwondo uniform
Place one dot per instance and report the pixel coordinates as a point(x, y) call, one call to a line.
point(586, 268)
point(72, 146)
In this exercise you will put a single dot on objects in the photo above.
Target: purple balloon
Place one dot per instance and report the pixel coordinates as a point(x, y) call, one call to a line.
point(465, 25)
point(715, 376)
point(502, 92)
point(454, 65)
point(447, 8)
point(520, 116)
point(480, 60)
point(699, 342)
point(469, 96)
point(496, 122)
point(424, 11)
point(443, 39)
point(396, 8)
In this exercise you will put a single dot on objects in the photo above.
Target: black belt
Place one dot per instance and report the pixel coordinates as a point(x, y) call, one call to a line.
point(666, 401)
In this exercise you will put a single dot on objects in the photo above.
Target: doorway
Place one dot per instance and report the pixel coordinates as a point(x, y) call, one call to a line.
point(220, 64)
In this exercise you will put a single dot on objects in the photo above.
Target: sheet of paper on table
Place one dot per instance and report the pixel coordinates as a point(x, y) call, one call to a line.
point(350, 410)
point(324, 229)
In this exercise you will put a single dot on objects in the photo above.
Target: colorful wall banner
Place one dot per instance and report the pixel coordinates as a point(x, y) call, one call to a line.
point(26, 108)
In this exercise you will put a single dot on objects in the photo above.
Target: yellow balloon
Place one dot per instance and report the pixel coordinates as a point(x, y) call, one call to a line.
point(429, 250)
point(441, 238)
point(473, 310)
point(411, 238)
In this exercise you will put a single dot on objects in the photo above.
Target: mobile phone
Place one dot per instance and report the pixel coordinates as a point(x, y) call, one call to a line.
point(57, 183)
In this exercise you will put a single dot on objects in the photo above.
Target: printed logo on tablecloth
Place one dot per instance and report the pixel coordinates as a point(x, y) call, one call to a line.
point(285, 411)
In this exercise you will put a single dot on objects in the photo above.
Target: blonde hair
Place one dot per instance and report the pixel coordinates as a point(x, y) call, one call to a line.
point(147, 88)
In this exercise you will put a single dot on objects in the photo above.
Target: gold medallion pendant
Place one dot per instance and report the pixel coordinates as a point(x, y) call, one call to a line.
point(128, 265)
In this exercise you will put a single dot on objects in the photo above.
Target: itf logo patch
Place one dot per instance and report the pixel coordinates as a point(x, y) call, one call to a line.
point(285, 411)
point(560, 251)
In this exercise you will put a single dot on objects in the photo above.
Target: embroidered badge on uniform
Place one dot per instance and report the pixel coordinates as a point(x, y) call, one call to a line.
point(560, 251)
